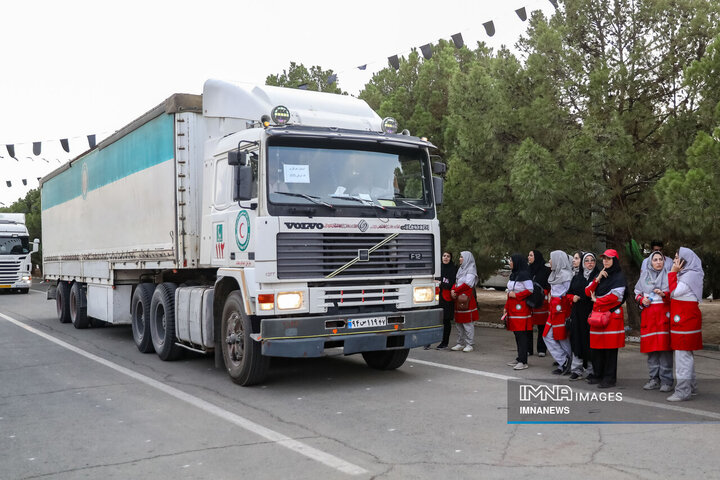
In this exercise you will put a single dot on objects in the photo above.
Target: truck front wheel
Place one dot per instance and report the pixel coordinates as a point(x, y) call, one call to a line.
point(243, 356)
point(386, 359)
point(162, 322)
point(140, 316)
point(78, 307)
point(62, 302)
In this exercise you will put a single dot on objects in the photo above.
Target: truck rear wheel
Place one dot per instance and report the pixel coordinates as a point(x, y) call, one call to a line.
point(243, 356)
point(162, 322)
point(62, 302)
point(78, 307)
point(386, 359)
point(140, 315)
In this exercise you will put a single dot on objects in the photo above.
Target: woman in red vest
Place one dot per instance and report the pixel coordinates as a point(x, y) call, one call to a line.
point(556, 336)
point(652, 293)
point(608, 290)
point(517, 313)
point(465, 284)
point(539, 273)
point(686, 286)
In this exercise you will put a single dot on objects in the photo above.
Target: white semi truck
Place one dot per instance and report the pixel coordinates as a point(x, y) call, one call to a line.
point(251, 222)
point(15, 250)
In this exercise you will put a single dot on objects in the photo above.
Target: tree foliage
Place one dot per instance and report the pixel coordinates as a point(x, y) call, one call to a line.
point(297, 76)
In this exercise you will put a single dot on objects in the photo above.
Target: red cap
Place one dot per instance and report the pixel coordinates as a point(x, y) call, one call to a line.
point(610, 253)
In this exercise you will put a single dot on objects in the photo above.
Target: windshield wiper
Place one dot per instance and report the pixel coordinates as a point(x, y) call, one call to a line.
point(404, 203)
point(308, 197)
point(369, 203)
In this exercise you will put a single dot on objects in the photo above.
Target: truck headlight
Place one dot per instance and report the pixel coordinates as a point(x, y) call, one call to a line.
point(27, 278)
point(423, 294)
point(289, 300)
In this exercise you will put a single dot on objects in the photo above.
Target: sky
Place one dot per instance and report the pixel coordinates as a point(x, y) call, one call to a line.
point(74, 68)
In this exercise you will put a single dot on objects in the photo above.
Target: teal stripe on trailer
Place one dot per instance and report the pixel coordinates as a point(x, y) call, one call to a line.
point(149, 145)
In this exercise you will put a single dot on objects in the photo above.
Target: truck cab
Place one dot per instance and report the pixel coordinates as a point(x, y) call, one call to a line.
point(15, 250)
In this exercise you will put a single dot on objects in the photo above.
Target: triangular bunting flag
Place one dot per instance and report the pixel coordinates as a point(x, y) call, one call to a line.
point(37, 147)
point(11, 150)
point(426, 51)
point(91, 141)
point(458, 40)
point(394, 62)
point(521, 13)
point(362, 67)
point(65, 144)
point(489, 28)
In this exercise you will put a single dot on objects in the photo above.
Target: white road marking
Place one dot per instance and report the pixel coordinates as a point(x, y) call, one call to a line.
point(271, 435)
point(634, 401)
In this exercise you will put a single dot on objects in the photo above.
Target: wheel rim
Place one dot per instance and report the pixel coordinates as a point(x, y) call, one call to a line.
point(139, 322)
point(235, 339)
point(73, 306)
point(161, 324)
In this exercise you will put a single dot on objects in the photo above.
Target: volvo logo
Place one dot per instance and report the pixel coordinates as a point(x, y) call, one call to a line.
point(304, 226)
point(363, 226)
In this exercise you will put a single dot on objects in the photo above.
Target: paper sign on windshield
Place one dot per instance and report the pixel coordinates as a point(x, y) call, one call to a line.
point(296, 173)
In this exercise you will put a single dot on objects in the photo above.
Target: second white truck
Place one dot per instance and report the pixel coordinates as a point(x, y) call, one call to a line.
point(251, 222)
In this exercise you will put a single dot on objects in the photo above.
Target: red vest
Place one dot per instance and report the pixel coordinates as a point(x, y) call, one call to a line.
point(541, 313)
point(612, 336)
point(471, 314)
point(518, 315)
point(655, 328)
point(559, 311)
point(685, 325)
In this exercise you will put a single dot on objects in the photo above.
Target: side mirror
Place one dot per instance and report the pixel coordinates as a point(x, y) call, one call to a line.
point(438, 185)
point(439, 167)
point(243, 183)
point(36, 245)
point(237, 158)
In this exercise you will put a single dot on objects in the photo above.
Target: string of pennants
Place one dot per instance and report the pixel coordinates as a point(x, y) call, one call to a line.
point(393, 61)
point(426, 50)
point(37, 146)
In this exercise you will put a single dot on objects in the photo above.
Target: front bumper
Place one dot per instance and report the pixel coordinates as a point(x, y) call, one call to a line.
point(310, 336)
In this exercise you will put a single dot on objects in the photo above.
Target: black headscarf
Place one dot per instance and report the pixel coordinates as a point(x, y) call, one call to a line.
point(448, 273)
point(539, 272)
point(520, 271)
point(615, 279)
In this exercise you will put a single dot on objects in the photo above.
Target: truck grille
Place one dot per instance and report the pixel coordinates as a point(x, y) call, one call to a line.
point(317, 255)
point(9, 270)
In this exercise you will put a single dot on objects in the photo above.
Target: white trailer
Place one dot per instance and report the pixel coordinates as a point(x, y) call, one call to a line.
point(251, 222)
point(15, 250)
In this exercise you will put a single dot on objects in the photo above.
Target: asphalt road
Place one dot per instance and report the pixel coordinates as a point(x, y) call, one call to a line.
point(87, 404)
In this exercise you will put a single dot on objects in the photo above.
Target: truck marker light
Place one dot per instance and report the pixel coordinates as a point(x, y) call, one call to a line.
point(280, 115)
point(389, 125)
point(266, 301)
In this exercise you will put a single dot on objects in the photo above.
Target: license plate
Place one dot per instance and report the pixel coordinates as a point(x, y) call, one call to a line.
point(367, 322)
point(5, 286)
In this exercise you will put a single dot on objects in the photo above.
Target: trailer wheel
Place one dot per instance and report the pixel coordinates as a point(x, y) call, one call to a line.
point(162, 322)
point(140, 314)
point(62, 302)
point(78, 307)
point(243, 356)
point(386, 359)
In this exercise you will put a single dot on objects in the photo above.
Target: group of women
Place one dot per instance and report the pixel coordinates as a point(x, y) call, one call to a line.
point(581, 321)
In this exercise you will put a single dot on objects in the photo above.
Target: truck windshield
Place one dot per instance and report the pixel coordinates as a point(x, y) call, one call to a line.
point(14, 245)
point(349, 177)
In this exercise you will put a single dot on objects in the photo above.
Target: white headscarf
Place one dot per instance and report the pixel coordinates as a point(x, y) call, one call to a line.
point(467, 273)
point(692, 273)
point(650, 279)
point(560, 268)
